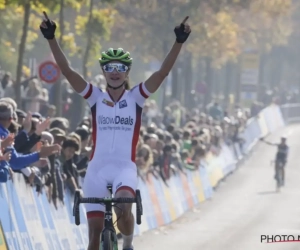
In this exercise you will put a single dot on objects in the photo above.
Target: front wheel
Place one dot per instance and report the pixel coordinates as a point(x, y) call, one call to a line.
point(108, 241)
point(277, 185)
point(279, 176)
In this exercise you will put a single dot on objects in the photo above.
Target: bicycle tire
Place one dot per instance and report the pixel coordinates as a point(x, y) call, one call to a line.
point(139, 208)
point(279, 178)
point(108, 243)
point(277, 184)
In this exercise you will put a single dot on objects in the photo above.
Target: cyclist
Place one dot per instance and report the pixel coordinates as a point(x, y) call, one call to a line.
point(281, 155)
point(116, 123)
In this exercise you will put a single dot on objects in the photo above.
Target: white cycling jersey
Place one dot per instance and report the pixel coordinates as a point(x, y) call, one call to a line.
point(116, 125)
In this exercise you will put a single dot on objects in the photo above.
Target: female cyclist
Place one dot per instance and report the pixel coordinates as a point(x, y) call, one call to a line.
point(116, 123)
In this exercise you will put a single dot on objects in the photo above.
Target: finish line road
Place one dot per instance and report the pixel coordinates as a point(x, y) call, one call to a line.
point(243, 208)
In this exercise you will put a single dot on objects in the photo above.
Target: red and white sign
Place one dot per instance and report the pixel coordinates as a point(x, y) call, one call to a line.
point(49, 72)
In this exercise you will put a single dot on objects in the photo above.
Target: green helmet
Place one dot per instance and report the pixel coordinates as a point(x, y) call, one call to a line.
point(115, 55)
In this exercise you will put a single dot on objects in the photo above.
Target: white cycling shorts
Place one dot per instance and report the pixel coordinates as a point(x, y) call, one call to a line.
point(121, 174)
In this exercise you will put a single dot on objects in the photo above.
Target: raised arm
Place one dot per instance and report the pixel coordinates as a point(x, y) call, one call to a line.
point(269, 143)
point(48, 28)
point(155, 80)
point(75, 79)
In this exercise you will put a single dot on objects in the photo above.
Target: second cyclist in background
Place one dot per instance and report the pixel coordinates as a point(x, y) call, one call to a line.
point(281, 155)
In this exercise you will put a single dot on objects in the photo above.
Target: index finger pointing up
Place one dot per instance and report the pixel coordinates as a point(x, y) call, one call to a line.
point(185, 19)
point(46, 16)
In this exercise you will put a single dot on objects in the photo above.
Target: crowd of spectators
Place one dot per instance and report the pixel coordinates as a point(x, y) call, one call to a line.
point(178, 139)
point(43, 150)
point(53, 158)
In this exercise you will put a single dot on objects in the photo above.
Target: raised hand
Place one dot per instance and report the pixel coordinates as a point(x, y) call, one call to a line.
point(183, 31)
point(42, 126)
point(8, 141)
point(6, 156)
point(48, 27)
point(46, 151)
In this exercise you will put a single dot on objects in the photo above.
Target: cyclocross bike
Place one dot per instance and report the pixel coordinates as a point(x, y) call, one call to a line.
point(109, 240)
point(279, 174)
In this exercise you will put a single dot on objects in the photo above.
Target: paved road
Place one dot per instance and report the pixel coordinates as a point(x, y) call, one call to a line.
point(243, 208)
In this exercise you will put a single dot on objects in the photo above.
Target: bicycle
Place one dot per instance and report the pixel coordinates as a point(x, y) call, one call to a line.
point(109, 240)
point(279, 174)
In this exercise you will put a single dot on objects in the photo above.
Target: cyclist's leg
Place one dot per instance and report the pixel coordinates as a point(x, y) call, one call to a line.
point(94, 186)
point(276, 169)
point(283, 172)
point(125, 185)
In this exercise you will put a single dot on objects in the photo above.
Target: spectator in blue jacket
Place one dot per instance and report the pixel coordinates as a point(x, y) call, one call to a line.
point(18, 161)
point(5, 172)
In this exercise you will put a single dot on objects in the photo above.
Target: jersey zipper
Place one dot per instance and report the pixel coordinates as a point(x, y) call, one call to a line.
point(114, 131)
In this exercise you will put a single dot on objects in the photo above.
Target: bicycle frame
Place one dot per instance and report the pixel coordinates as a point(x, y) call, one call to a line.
point(279, 165)
point(108, 225)
point(108, 215)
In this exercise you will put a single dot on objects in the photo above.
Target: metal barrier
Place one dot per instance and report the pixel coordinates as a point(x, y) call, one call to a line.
point(291, 112)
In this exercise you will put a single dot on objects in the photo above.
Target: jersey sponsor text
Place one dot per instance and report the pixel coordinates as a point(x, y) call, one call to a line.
point(115, 120)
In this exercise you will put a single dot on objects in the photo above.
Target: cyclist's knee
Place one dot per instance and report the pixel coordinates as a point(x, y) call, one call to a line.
point(96, 223)
point(124, 209)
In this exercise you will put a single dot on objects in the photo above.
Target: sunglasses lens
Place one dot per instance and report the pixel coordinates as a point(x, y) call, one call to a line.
point(122, 68)
point(108, 68)
point(118, 66)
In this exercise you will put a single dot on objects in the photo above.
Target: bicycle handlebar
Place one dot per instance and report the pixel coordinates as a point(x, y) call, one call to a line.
point(108, 200)
point(94, 200)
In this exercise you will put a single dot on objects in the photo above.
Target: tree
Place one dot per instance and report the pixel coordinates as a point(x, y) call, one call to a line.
point(148, 32)
point(96, 27)
point(10, 33)
point(26, 7)
point(66, 39)
point(265, 23)
point(92, 27)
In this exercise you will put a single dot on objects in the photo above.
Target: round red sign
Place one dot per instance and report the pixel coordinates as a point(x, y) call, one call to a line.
point(49, 72)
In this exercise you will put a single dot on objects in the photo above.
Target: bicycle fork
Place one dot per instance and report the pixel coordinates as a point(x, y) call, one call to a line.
point(109, 227)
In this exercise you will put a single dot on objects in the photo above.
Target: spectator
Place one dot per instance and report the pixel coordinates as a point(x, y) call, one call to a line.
point(164, 163)
point(21, 116)
point(144, 159)
point(60, 122)
point(34, 95)
point(82, 160)
point(10, 90)
point(6, 80)
point(187, 143)
point(58, 134)
point(215, 111)
point(5, 171)
point(57, 178)
point(18, 161)
point(50, 111)
point(69, 147)
point(42, 167)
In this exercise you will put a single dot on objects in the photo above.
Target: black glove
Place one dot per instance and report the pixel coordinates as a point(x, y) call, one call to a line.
point(181, 35)
point(49, 33)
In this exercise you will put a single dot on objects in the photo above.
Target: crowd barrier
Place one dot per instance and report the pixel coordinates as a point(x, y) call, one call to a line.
point(30, 222)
